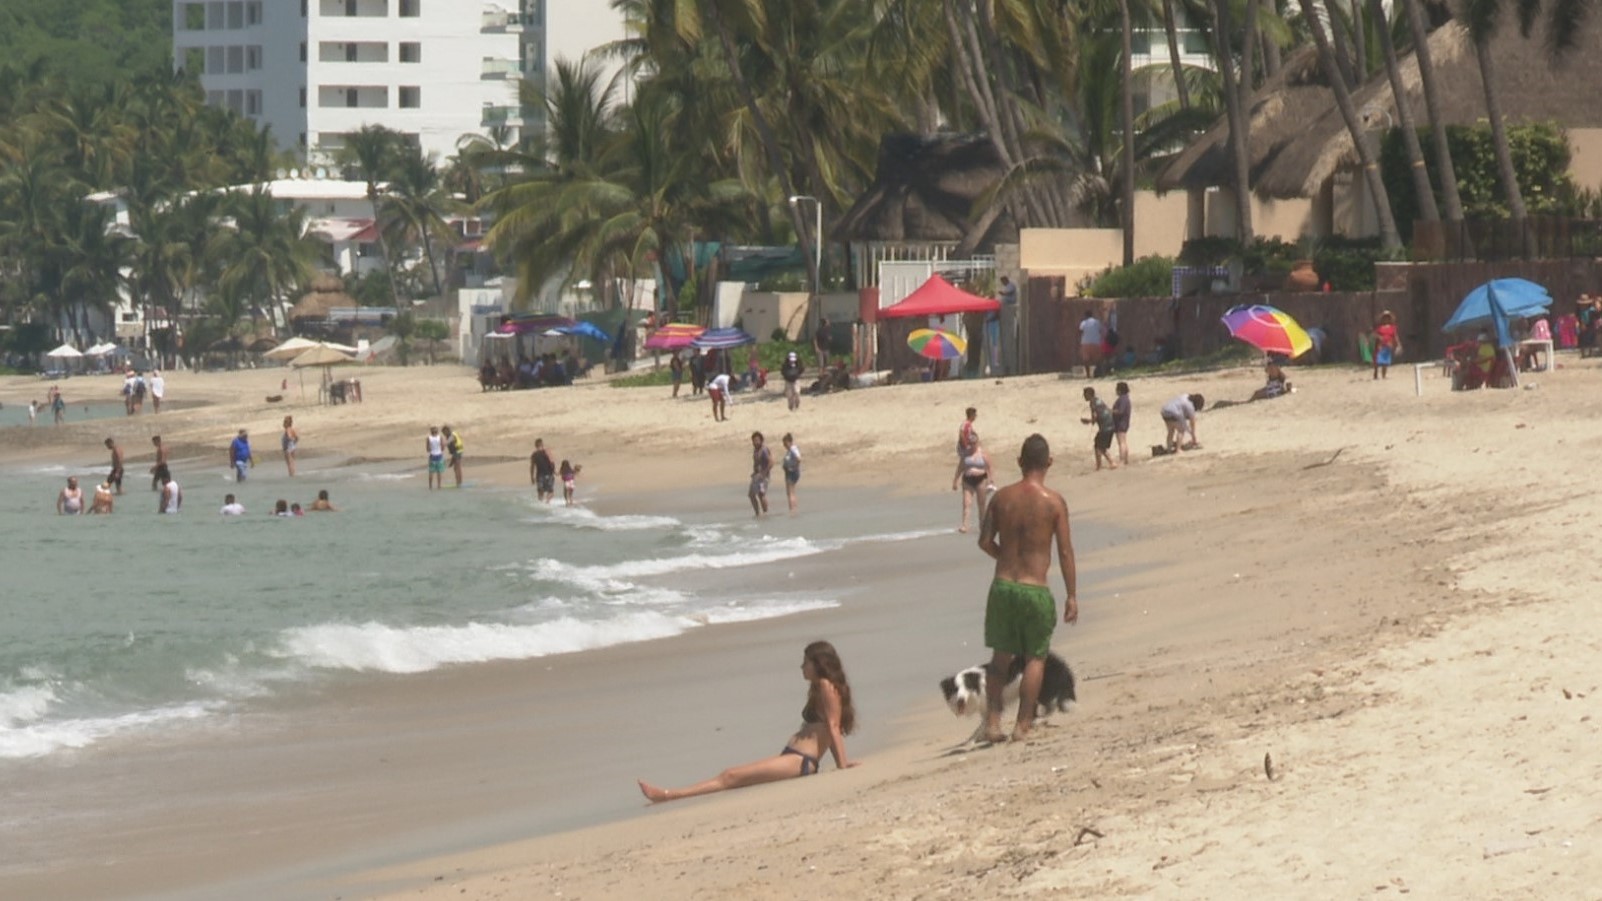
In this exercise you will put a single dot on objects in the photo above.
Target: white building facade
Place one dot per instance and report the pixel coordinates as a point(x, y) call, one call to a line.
point(316, 71)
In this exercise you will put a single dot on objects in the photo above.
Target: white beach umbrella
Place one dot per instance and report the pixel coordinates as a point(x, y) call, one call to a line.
point(290, 349)
point(65, 352)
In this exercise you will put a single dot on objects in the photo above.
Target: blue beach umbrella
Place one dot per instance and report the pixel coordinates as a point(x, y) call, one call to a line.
point(585, 329)
point(1515, 297)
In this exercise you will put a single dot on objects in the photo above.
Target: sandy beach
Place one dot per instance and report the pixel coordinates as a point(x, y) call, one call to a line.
point(1343, 650)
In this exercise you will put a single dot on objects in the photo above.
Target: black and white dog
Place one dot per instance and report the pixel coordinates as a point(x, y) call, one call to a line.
point(965, 690)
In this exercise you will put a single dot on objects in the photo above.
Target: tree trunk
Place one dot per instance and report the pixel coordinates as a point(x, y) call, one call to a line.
point(1360, 43)
point(1337, 39)
point(1404, 120)
point(1432, 106)
point(1389, 239)
point(383, 245)
point(1271, 57)
point(1173, 55)
point(1239, 146)
point(770, 142)
point(1248, 62)
point(1127, 114)
point(1504, 156)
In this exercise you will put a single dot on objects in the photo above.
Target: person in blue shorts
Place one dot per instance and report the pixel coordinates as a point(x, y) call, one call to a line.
point(1018, 530)
point(434, 444)
point(239, 456)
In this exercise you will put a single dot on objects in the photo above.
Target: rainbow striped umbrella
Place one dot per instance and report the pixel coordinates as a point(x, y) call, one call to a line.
point(673, 336)
point(1268, 329)
point(936, 344)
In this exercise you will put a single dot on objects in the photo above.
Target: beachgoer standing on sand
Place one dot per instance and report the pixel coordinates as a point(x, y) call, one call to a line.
point(454, 447)
point(1024, 520)
point(70, 501)
point(973, 473)
point(115, 476)
point(158, 389)
point(791, 464)
point(676, 370)
point(1101, 417)
point(159, 464)
point(104, 500)
point(542, 471)
point(790, 370)
point(290, 441)
point(172, 497)
point(826, 720)
point(1387, 344)
point(1090, 338)
point(718, 390)
point(1122, 409)
point(435, 446)
point(820, 342)
point(697, 372)
point(239, 456)
point(761, 467)
point(1179, 415)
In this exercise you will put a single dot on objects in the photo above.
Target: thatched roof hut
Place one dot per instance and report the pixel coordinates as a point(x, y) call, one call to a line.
point(1298, 138)
point(327, 292)
point(925, 189)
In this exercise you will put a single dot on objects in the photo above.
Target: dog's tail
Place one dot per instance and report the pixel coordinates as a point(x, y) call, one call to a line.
point(1069, 695)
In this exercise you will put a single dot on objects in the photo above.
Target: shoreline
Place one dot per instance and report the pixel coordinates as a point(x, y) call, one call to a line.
point(1371, 588)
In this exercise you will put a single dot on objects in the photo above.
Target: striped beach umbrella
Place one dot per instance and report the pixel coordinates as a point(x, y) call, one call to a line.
point(936, 344)
point(1268, 329)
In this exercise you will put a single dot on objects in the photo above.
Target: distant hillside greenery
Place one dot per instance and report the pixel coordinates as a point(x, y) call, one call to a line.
point(88, 41)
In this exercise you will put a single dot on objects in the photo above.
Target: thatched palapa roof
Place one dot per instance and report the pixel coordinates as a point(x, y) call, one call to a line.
point(925, 189)
point(1298, 138)
point(327, 292)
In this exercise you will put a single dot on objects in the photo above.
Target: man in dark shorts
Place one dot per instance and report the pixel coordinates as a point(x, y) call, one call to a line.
point(114, 479)
point(1101, 417)
point(761, 468)
point(542, 471)
point(1019, 527)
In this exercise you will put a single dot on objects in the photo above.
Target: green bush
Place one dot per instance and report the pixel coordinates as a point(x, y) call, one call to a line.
point(1347, 264)
point(1150, 277)
point(1209, 251)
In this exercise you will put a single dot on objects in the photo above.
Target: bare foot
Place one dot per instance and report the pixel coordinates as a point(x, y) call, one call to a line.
point(962, 528)
point(996, 737)
point(653, 794)
point(1020, 731)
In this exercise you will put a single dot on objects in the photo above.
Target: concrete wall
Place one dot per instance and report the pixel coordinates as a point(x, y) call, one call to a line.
point(763, 311)
point(1585, 167)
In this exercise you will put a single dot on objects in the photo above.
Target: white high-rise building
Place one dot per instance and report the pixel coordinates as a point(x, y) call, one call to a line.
point(317, 70)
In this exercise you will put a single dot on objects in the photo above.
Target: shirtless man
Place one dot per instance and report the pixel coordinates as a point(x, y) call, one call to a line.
point(70, 501)
point(1019, 527)
point(161, 463)
point(542, 471)
point(114, 478)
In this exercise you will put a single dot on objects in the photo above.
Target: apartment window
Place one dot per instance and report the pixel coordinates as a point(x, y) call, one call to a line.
point(303, 13)
point(252, 103)
point(303, 134)
point(236, 101)
point(410, 9)
point(216, 60)
point(350, 7)
point(253, 12)
point(411, 97)
point(352, 97)
point(303, 101)
point(253, 58)
point(194, 60)
point(194, 17)
point(411, 52)
point(302, 51)
point(350, 53)
point(236, 16)
point(236, 60)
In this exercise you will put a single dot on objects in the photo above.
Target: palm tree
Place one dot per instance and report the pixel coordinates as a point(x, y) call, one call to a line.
point(264, 256)
point(1126, 109)
point(1239, 148)
point(372, 150)
point(1432, 106)
point(415, 207)
point(1482, 19)
point(90, 261)
point(1389, 239)
point(1404, 118)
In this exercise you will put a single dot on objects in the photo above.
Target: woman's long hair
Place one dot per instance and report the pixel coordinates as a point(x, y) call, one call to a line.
point(826, 664)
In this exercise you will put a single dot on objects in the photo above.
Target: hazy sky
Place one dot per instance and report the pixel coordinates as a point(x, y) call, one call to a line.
point(576, 26)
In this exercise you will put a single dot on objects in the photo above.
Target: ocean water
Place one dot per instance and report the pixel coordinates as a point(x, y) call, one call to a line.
point(135, 623)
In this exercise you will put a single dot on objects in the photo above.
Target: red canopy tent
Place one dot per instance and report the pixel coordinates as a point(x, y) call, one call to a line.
point(938, 297)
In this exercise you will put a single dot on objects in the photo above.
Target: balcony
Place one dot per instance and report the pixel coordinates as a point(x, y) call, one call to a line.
point(501, 69)
point(498, 21)
point(511, 116)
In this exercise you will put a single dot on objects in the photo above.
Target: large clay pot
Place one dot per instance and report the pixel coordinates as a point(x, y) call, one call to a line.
point(1302, 277)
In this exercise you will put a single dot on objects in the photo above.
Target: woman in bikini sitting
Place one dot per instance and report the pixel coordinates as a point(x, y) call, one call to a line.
point(826, 720)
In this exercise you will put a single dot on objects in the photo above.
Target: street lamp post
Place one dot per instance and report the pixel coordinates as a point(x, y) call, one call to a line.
point(817, 241)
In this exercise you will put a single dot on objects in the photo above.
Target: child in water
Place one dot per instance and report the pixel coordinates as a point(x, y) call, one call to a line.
point(569, 472)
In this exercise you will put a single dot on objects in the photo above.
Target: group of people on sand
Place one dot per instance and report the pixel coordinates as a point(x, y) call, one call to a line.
point(135, 386)
point(543, 472)
point(1024, 524)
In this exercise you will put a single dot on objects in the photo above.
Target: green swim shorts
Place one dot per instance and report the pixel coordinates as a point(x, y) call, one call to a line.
point(1019, 618)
